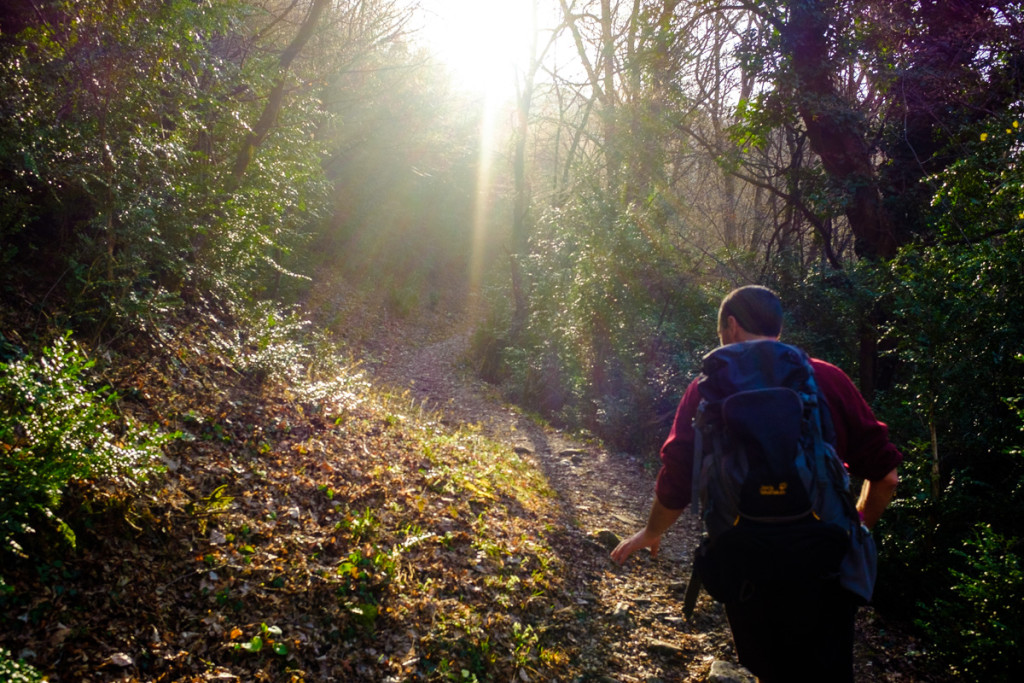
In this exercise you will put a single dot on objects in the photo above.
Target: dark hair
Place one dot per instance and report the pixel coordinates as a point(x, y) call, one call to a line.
point(757, 310)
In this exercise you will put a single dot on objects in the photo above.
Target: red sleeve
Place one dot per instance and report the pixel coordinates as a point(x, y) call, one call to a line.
point(861, 440)
point(674, 485)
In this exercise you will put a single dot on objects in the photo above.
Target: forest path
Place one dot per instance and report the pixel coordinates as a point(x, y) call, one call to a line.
point(628, 624)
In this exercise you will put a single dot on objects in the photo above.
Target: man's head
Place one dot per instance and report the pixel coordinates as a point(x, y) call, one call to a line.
point(749, 312)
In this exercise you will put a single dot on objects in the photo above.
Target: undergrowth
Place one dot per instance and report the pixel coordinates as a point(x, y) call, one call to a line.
point(307, 525)
point(57, 426)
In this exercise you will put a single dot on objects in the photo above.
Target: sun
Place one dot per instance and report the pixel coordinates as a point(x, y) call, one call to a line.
point(484, 44)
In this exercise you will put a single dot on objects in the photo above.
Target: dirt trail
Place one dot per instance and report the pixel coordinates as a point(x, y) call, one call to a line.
point(628, 625)
point(629, 622)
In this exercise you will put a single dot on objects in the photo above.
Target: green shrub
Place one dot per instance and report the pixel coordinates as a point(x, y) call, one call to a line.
point(612, 330)
point(979, 626)
point(55, 428)
point(17, 671)
point(270, 342)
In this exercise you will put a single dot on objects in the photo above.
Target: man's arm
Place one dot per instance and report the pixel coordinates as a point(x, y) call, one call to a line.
point(875, 497)
point(673, 484)
point(660, 519)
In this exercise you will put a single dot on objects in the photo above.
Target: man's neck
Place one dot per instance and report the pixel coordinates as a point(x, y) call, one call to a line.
point(745, 337)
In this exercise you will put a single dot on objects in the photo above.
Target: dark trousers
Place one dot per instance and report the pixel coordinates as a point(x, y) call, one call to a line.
point(796, 634)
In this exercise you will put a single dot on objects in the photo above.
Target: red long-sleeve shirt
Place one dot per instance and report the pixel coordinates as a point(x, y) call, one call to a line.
point(861, 440)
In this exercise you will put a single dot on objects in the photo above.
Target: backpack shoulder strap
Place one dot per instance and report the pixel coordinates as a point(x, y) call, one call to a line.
point(698, 458)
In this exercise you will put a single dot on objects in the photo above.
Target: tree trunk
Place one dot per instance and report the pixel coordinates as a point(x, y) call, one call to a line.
point(613, 156)
point(834, 128)
point(275, 101)
point(836, 134)
point(521, 199)
point(601, 78)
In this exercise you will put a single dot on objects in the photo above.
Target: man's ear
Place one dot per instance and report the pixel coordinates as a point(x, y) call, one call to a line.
point(730, 333)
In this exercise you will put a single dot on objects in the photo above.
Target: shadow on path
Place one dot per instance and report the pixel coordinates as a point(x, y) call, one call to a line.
point(626, 620)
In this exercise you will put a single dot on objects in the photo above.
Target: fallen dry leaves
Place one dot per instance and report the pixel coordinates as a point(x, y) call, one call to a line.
point(285, 542)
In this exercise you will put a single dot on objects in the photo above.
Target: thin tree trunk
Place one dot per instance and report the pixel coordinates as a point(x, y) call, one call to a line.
point(521, 199)
point(275, 101)
point(608, 111)
point(601, 80)
point(936, 464)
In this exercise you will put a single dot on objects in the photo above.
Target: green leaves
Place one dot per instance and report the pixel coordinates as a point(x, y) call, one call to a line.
point(981, 193)
point(17, 671)
point(268, 636)
point(979, 626)
point(55, 426)
point(119, 126)
point(953, 336)
point(612, 327)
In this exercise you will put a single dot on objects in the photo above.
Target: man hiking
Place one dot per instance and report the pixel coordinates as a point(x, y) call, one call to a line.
point(786, 630)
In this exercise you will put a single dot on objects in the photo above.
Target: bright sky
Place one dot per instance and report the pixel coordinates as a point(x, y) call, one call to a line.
point(480, 41)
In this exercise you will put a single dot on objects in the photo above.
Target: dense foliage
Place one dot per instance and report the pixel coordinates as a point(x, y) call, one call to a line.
point(56, 428)
point(131, 178)
point(612, 360)
point(17, 671)
point(956, 328)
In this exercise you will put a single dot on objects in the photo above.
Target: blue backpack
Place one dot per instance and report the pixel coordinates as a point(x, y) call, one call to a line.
point(774, 496)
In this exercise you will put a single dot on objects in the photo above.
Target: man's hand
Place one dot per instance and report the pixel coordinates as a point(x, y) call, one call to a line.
point(875, 497)
point(659, 520)
point(641, 539)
